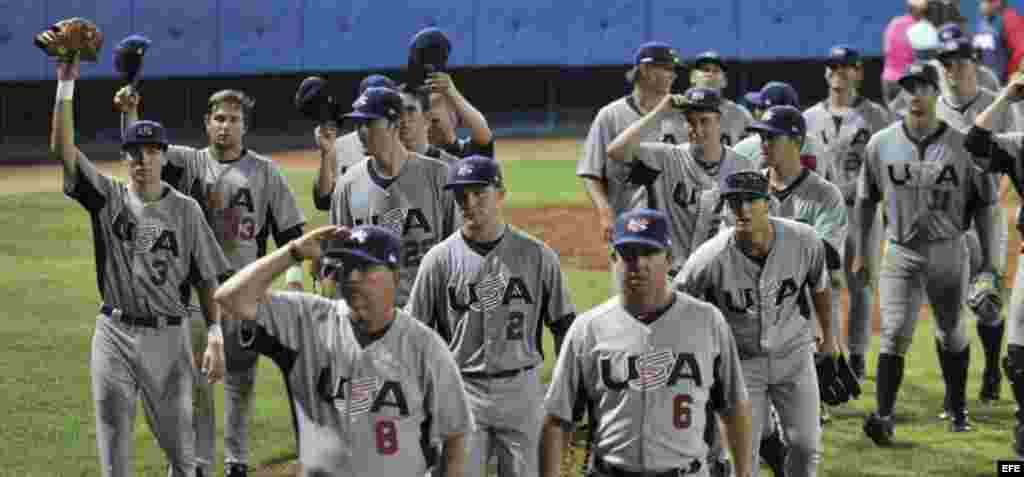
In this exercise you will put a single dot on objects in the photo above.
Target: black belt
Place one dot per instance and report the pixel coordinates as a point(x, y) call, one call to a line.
point(509, 373)
point(148, 321)
point(613, 471)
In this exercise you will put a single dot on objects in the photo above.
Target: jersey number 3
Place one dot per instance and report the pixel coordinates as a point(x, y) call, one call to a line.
point(387, 438)
point(681, 411)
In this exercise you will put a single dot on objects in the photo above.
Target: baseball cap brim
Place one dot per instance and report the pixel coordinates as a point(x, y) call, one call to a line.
point(759, 126)
point(643, 241)
point(906, 82)
point(363, 116)
point(129, 145)
point(754, 98)
point(348, 253)
point(463, 183)
point(744, 194)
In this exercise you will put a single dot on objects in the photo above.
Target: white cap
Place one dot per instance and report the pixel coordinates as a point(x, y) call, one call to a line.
point(923, 36)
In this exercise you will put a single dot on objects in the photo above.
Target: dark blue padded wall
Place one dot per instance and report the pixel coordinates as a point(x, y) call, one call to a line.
point(231, 37)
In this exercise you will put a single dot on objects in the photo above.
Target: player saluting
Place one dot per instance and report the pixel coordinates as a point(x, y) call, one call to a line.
point(1001, 153)
point(645, 364)
point(488, 289)
point(153, 243)
point(756, 273)
point(932, 190)
point(844, 122)
point(686, 169)
point(376, 387)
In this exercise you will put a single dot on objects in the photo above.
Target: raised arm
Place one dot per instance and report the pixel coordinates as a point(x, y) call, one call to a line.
point(323, 184)
point(480, 131)
point(621, 146)
point(62, 137)
point(241, 294)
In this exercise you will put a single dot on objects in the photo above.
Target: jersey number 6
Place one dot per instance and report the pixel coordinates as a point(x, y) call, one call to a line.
point(681, 411)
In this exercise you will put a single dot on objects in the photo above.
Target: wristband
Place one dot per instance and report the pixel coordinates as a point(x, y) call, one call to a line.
point(294, 274)
point(213, 330)
point(65, 90)
point(295, 256)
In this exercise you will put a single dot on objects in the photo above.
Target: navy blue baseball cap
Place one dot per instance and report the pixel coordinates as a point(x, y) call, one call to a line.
point(710, 56)
point(371, 243)
point(144, 132)
point(474, 170)
point(430, 46)
point(380, 81)
point(656, 52)
point(843, 55)
point(919, 72)
point(748, 183)
point(781, 120)
point(774, 93)
point(701, 99)
point(376, 103)
point(643, 226)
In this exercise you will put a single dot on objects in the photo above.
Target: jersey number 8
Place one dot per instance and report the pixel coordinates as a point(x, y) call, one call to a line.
point(387, 438)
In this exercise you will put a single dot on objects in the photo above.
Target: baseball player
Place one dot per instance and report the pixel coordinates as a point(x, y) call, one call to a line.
point(813, 154)
point(1001, 153)
point(246, 198)
point(488, 289)
point(652, 75)
point(414, 125)
point(932, 191)
point(338, 153)
point(986, 78)
point(153, 246)
point(686, 169)
point(844, 122)
point(958, 105)
point(758, 274)
point(375, 388)
point(394, 188)
point(448, 109)
point(645, 364)
point(709, 72)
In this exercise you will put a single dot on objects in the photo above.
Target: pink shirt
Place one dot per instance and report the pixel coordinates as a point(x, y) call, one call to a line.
point(898, 53)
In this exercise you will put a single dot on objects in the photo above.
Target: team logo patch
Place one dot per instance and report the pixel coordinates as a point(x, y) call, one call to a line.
point(359, 236)
point(654, 369)
point(465, 170)
point(394, 220)
point(144, 130)
point(360, 103)
point(147, 231)
point(490, 292)
point(637, 225)
point(362, 392)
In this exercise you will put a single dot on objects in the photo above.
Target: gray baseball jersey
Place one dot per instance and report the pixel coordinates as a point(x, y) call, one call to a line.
point(414, 205)
point(735, 120)
point(611, 121)
point(844, 136)
point(812, 200)
point(245, 200)
point(647, 385)
point(364, 410)
point(146, 254)
point(930, 187)
point(678, 189)
point(491, 308)
point(812, 151)
point(763, 304)
point(987, 79)
point(961, 116)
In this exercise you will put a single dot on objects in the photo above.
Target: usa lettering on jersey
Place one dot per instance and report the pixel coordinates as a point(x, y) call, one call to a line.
point(649, 371)
point(366, 394)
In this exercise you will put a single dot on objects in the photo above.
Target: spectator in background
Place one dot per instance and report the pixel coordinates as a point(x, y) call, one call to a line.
point(896, 46)
point(1000, 37)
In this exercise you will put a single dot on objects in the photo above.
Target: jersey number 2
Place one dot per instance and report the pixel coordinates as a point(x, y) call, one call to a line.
point(387, 438)
point(681, 411)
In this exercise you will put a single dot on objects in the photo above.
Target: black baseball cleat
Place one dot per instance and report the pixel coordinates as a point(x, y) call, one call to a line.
point(236, 470)
point(879, 429)
point(959, 423)
point(991, 382)
point(857, 365)
point(773, 452)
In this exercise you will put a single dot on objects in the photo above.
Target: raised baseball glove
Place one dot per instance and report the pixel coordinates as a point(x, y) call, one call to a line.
point(831, 387)
point(984, 297)
point(641, 174)
point(70, 37)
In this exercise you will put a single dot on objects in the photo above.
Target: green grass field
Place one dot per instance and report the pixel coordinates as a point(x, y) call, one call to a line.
point(49, 289)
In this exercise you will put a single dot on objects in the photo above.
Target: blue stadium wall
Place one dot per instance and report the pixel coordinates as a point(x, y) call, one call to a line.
point(521, 61)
